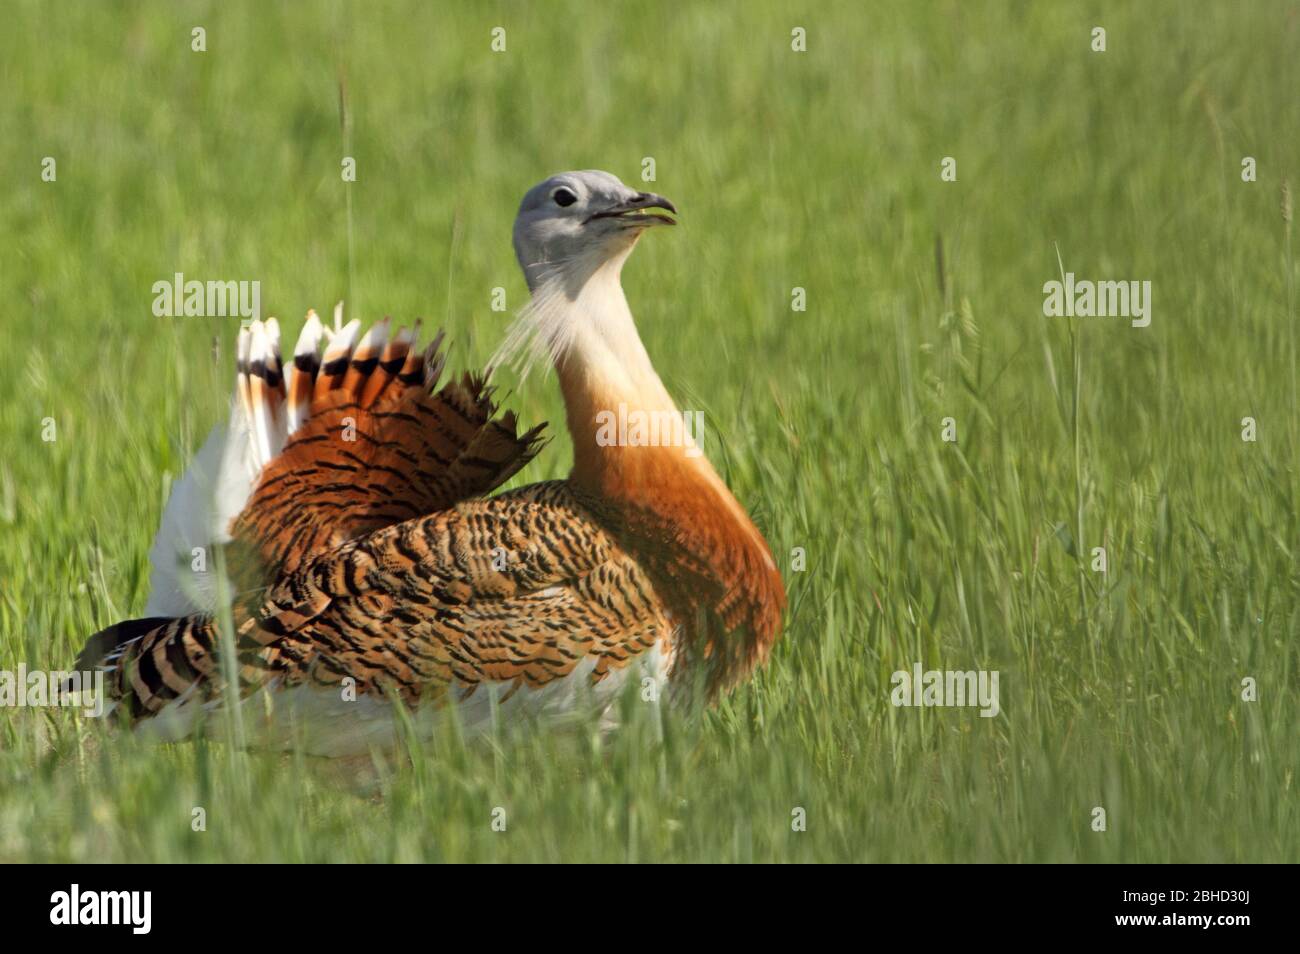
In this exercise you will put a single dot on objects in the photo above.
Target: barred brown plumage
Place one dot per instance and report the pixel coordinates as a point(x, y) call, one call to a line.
point(368, 563)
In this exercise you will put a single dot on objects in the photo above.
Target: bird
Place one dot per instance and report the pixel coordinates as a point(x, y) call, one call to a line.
point(370, 561)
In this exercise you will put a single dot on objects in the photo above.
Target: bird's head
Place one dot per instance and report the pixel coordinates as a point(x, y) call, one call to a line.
point(578, 221)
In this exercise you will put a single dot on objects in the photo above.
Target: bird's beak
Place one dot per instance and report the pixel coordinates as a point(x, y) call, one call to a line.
point(633, 211)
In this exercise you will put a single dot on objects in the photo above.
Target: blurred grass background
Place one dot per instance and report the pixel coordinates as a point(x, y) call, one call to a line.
point(819, 170)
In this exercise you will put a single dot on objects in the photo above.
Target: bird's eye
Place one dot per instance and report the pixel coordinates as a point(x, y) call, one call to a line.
point(563, 197)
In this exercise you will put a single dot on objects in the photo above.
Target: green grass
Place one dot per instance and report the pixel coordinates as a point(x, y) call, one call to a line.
point(818, 170)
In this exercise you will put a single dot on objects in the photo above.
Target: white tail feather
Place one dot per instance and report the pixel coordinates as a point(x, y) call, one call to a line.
point(220, 479)
point(307, 350)
point(198, 513)
point(270, 402)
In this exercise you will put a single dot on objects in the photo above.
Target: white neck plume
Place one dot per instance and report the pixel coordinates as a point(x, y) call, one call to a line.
point(578, 321)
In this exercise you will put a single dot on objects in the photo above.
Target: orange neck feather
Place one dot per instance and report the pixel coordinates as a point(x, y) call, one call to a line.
point(710, 549)
point(674, 511)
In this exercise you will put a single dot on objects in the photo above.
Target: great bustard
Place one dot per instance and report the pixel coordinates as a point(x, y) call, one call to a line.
point(366, 561)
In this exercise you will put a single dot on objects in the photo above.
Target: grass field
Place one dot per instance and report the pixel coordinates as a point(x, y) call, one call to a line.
point(819, 170)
